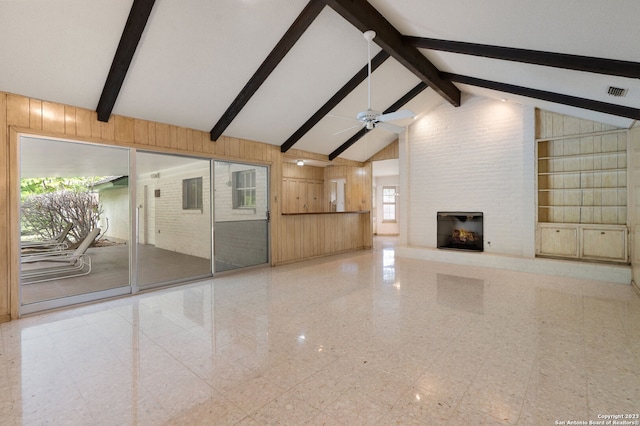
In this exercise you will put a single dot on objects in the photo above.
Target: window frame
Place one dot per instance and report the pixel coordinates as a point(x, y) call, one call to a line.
point(187, 202)
point(240, 178)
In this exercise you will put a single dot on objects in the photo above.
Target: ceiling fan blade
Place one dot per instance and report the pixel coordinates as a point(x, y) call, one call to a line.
point(398, 115)
point(347, 129)
point(390, 127)
point(342, 117)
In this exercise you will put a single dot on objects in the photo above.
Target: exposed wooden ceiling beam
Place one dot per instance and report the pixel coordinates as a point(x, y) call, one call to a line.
point(393, 108)
point(589, 104)
point(335, 100)
point(295, 31)
point(136, 23)
point(353, 139)
point(365, 17)
point(550, 59)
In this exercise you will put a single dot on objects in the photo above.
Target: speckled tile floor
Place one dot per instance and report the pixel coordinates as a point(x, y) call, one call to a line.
point(356, 339)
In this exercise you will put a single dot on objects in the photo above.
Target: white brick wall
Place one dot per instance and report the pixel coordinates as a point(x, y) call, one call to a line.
point(183, 231)
point(175, 229)
point(224, 210)
point(477, 157)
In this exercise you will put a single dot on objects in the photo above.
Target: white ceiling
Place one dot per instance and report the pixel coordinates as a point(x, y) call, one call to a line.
point(41, 158)
point(195, 57)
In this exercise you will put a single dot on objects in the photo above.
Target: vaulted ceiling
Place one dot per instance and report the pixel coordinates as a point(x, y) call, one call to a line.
point(292, 72)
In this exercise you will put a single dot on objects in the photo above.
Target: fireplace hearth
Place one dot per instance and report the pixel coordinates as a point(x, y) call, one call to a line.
point(460, 231)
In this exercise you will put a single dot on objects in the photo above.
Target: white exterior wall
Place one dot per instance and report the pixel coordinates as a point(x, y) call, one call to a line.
point(224, 210)
point(477, 157)
point(175, 229)
point(386, 228)
point(114, 221)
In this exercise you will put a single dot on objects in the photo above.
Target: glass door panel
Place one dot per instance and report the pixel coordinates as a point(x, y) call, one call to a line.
point(173, 218)
point(241, 227)
point(74, 223)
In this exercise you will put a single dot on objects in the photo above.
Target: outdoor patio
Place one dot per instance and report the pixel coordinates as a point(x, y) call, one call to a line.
point(110, 269)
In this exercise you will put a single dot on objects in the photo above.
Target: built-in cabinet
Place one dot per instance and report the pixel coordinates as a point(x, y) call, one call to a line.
point(302, 196)
point(581, 241)
point(581, 191)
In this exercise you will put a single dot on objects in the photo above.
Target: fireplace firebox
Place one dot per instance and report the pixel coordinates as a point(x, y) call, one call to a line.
point(460, 231)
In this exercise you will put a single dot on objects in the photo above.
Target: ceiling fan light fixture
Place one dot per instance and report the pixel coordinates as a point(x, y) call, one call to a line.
point(369, 35)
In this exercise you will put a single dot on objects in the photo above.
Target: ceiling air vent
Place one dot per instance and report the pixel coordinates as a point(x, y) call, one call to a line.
point(617, 91)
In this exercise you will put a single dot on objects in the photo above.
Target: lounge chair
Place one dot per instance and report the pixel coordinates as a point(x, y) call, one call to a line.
point(39, 267)
point(56, 243)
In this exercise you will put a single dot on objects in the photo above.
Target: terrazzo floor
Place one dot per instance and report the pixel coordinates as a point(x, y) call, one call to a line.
point(358, 339)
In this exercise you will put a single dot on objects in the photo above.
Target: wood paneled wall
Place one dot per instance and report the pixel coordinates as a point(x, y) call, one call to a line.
point(23, 115)
point(358, 185)
point(314, 235)
point(290, 170)
point(390, 152)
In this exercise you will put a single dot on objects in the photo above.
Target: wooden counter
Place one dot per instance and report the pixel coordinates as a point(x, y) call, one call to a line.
point(308, 235)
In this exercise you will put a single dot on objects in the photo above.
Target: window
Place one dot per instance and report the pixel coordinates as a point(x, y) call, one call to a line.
point(192, 194)
point(244, 189)
point(388, 203)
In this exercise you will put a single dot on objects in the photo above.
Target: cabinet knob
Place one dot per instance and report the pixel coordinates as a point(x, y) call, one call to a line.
point(602, 233)
point(557, 230)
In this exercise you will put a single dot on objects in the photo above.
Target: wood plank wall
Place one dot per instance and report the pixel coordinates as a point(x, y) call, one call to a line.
point(390, 152)
point(317, 235)
point(358, 185)
point(292, 238)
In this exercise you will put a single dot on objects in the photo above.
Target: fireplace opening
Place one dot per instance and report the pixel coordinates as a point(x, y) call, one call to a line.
point(460, 231)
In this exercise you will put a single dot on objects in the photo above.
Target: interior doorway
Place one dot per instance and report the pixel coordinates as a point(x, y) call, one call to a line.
point(386, 197)
point(337, 195)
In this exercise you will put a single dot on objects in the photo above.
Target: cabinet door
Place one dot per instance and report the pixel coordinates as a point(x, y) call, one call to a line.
point(286, 196)
point(557, 241)
point(292, 197)
point(605, 244)
point(315, 197)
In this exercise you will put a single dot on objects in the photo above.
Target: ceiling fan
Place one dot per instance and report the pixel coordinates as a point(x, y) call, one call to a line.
point(371, 119)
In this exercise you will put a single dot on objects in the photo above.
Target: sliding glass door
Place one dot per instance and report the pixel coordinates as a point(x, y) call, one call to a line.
point(100, 221)
point(241, 227)
point(74, 223)
point(173, 216)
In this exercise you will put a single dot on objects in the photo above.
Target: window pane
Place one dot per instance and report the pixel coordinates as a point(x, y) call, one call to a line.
point(192, 194)
point(244, 189)
point(389, 212)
